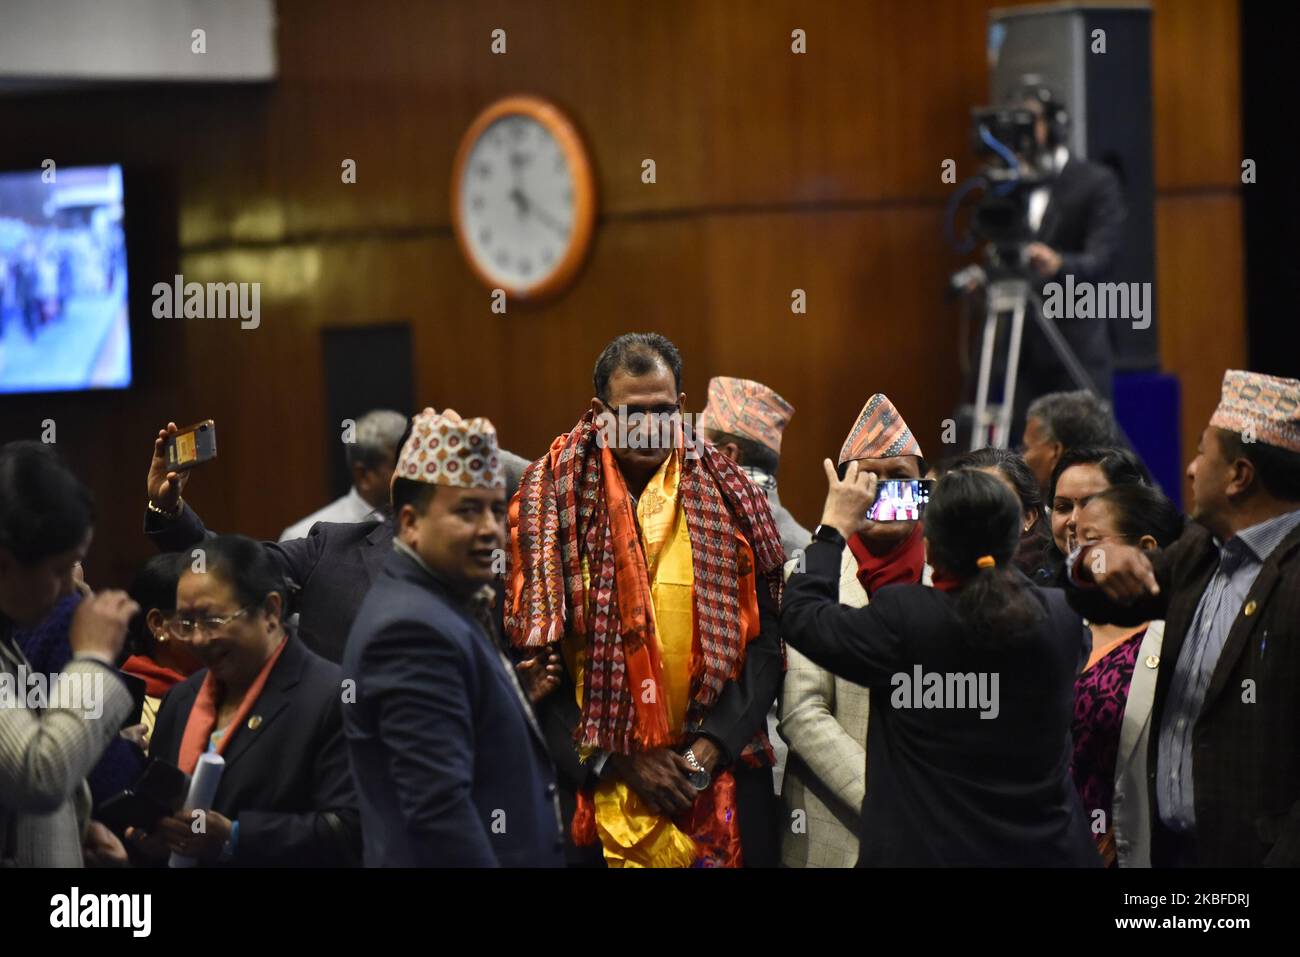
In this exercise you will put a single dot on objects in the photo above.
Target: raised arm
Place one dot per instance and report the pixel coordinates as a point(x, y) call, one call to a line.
point(45, 754)
point(173, 526)
point(860, 644)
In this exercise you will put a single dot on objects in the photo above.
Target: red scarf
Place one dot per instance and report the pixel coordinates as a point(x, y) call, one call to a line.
point(158, 679)
point(203, 716)
point(902, 564)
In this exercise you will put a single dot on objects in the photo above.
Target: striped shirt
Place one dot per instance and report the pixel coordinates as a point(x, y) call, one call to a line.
point(1241, 558)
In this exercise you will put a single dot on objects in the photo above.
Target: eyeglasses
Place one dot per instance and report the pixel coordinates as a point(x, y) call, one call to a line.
point(185, 629)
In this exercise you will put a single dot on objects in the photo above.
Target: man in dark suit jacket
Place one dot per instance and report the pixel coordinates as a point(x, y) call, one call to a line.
point(1079, 236)
point(286, 780)
point(450, 762)
point(1224, 753)
point(1077, 221)
point(332, 568)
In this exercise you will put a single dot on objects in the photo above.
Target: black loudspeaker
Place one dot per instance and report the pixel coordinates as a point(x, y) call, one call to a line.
point(1108, 99)
point(366, 367)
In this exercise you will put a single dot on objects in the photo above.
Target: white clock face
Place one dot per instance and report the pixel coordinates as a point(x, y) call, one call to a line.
point(517, 202)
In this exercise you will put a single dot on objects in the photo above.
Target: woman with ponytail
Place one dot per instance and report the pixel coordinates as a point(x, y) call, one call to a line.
point(972, 681)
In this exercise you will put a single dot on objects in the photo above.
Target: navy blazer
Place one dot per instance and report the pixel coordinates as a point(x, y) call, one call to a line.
point(450, 764)
point(287, 780)
point(947, 786)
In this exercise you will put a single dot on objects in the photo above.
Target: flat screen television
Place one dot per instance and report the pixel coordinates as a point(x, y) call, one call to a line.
point(63, 290)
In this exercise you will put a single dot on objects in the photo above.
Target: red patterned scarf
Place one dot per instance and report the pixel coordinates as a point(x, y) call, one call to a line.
point(561, 515)
point(904, 563)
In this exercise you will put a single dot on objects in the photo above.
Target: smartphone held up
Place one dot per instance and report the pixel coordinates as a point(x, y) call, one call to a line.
point(192, 446)
point(900, 500)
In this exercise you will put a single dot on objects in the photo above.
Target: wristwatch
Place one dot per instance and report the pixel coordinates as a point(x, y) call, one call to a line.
point(829, 534)
point(700, 779)
point(170, 516)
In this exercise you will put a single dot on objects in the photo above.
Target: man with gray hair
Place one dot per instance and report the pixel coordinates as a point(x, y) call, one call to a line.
point(371, 456)
point(1060, 421)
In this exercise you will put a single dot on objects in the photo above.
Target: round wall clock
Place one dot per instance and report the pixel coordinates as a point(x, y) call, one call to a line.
point(523, 198)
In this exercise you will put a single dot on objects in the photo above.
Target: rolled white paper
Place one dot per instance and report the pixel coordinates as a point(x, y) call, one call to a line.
point(203, 788)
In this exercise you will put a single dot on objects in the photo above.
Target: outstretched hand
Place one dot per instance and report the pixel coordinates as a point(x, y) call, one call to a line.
point(1122, 572)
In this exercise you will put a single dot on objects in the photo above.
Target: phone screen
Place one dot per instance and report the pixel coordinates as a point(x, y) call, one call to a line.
point(900, 500)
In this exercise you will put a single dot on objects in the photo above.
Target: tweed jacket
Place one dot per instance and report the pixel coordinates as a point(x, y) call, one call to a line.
point(45, 756)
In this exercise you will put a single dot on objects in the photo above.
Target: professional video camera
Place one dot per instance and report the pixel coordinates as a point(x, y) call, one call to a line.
point(1004, 136)
point(1015, 164)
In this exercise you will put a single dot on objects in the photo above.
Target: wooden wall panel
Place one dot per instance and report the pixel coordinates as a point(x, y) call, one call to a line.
point(775, 172)
point(1196, 80)
point(1200, 275)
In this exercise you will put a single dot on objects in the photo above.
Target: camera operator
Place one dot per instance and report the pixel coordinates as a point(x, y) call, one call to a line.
point(1078, 218)
point(1076, 213)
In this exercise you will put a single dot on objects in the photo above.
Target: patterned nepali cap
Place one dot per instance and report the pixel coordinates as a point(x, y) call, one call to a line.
point(879, 433)
point(445, 449)
point(746, 409)
point(1263, 406)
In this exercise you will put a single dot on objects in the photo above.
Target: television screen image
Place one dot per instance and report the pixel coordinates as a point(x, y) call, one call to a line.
point(63, 288)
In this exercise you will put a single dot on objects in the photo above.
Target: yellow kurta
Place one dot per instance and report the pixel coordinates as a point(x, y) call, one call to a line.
point(630, 834)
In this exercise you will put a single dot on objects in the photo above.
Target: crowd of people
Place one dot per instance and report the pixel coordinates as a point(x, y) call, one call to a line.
point(631, 654)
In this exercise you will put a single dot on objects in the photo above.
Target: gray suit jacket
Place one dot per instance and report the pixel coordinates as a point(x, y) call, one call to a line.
point(45, 756)
point(1130, 809)
point(793, 535)
point(794, 538)
point(824, 723)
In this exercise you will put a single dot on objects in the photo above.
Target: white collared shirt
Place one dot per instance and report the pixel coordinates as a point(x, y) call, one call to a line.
point(1039, 198)
point(350, 508)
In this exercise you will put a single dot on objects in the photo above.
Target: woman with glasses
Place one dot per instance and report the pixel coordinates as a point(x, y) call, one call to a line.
point(157, 658)
point(270, 707)
point(1113, 694)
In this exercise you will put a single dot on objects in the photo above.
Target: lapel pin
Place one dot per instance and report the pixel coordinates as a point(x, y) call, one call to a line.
point(1153, 661)
point(1250, 607)
point(254, 722)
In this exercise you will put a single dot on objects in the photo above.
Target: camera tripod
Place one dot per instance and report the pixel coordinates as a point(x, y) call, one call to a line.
point(1011, 297)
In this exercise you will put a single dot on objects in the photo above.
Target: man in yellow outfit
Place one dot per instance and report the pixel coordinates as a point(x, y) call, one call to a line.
point(654, 564)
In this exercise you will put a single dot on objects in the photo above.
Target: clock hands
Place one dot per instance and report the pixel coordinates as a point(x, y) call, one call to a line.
point(520, 200)
point(526, 207)
point(550, 221)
